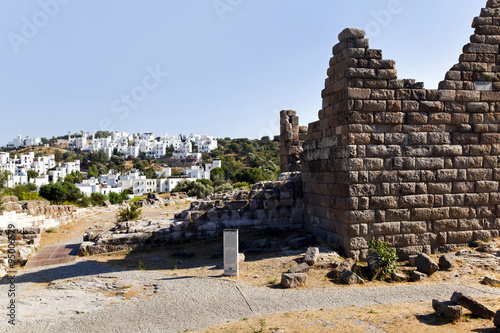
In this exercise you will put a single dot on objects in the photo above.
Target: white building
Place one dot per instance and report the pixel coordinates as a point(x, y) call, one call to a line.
point(167, 172)
point(167, 185)
point(19, 141)
point(63, 170)
point(91, 185)
point(19, 167)
point(144, 186)
point(29, 141)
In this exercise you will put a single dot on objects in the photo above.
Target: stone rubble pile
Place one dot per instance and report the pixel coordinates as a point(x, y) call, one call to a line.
point(453, 310)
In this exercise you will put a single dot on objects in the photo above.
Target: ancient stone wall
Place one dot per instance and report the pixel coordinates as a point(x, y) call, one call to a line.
point(269, 205)
point(389, 159)
point(291, 139)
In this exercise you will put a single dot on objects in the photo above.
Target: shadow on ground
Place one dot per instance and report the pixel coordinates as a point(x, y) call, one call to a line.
point(196, 254)
point(73, 270)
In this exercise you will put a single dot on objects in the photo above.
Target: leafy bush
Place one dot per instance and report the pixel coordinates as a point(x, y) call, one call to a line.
point(97, 199)
point(135, 199)
point(195, 189)
point(242, 186)
point(129, 213)
point(60, 192)
point(223, 187)
point(29, 196)
point(387, 255)
point(117, 198)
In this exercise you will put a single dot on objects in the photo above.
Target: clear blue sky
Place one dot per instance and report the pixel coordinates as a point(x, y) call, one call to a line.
point(231, 69)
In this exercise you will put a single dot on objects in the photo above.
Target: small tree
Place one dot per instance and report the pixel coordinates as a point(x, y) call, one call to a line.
point(32, 174)
point(132, 212)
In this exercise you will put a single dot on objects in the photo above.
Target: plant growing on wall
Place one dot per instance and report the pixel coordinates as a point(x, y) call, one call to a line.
point(387, 255)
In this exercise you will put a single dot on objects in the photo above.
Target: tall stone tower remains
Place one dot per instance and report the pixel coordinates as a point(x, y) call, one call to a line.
point(388, 159)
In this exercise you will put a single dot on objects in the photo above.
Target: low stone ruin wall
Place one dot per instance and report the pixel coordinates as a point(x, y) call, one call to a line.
point(27, 228)
point(268, 204)
point(11, 204)
point(274, 205)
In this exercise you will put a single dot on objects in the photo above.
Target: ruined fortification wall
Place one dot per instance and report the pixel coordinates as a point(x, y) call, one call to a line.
point(389, 159)
point(291, 140)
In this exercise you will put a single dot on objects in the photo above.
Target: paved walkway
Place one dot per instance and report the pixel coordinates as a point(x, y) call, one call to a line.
point(184, 303)
point(54, 255)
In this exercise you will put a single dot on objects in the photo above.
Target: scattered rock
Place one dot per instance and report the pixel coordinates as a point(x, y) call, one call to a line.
point(446, 261)
point(373, 262)
point(425, 264)
point(398, 277)
point(350, 277)
point(302, 268)
point(496, 320)
point(447, 309)
point(491, 281)
point(411, 259)
point(293, 280)
point(84, 248)
point(474, 306)
point(341, 265)
point(312, 255)
point(418, 276)
point(184, 254)
point(241, 257)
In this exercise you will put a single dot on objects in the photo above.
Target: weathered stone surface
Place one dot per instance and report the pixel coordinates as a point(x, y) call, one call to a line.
point(398, 277)
point(418, 276)
point(301, 268)
point(312, 255)
point(496, 320)
point(293, 280)
point(390, 159)
point(350, 277)
point(339, 266)
point(425, 264)
point(474, 306)
point(446, 261)
point(447, 309)
point(491, 281)
point(350, 33)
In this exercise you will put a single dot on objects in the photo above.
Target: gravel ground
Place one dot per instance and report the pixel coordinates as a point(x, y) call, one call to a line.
point(81, 297)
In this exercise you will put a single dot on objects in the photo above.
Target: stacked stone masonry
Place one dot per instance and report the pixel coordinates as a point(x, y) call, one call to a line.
point(388, 159)
point(291, 141)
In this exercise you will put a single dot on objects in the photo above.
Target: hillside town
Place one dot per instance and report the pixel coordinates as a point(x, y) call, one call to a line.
point(42, 170)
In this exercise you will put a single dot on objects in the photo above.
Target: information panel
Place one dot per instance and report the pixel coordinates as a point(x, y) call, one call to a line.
point(231, 252)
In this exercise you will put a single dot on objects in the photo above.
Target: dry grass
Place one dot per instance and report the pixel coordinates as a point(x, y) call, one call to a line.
point(397, 318)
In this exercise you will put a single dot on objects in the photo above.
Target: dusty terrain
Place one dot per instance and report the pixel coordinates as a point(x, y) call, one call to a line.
point(264, 270)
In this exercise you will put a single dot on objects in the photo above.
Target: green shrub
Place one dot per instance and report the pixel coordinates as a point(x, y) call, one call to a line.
point(387, 255)
point(132, 212)
point(98, 199)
